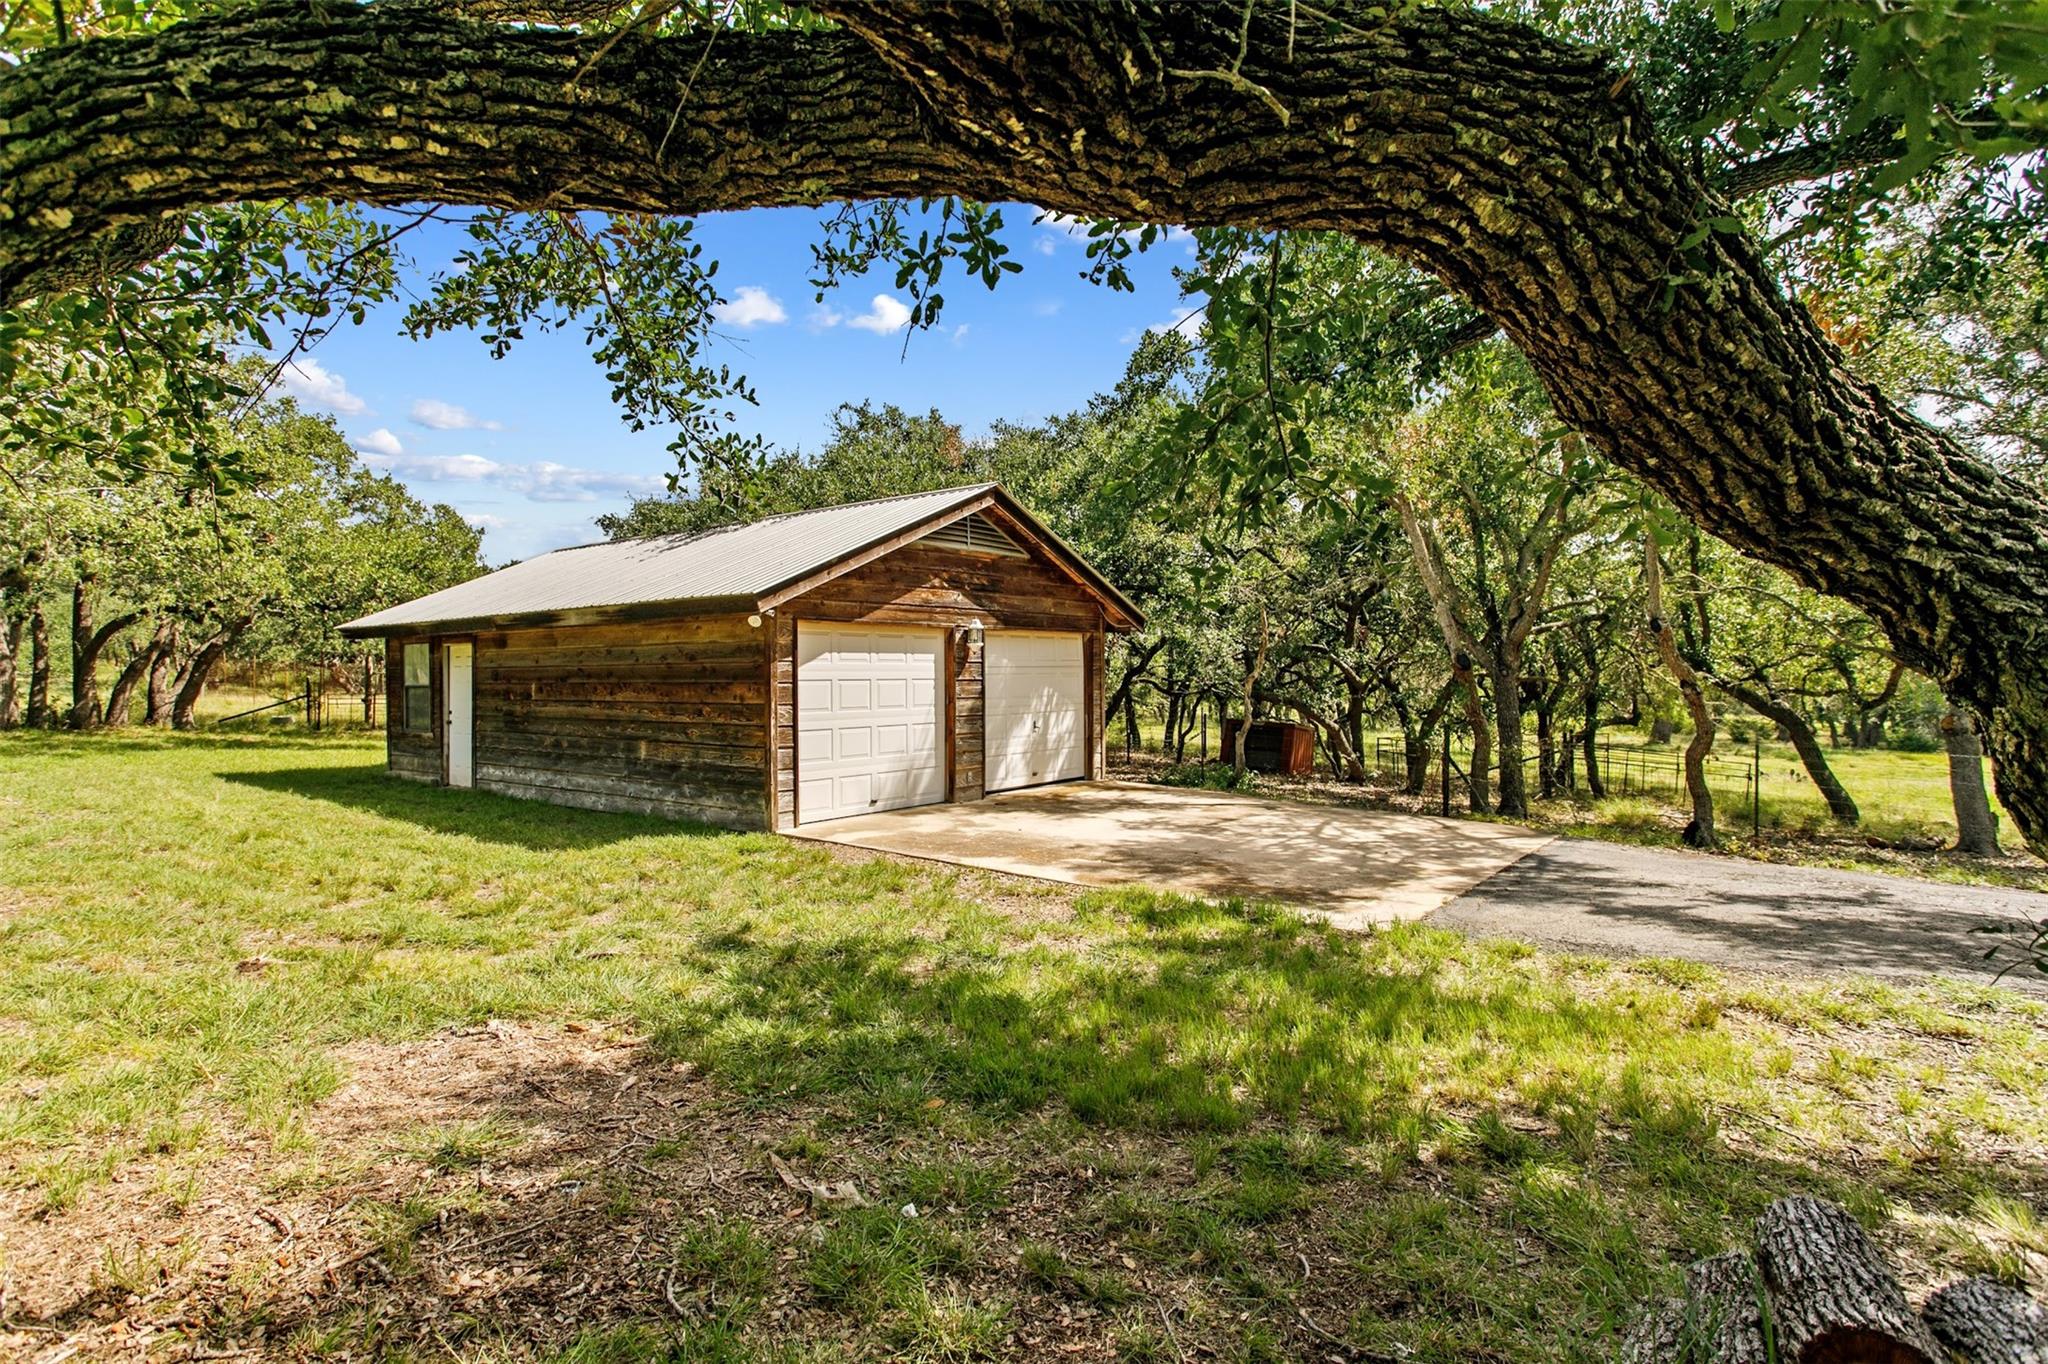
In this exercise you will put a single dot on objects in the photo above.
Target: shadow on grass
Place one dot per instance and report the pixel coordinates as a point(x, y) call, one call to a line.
point(1525, 1229)
point(470, 814)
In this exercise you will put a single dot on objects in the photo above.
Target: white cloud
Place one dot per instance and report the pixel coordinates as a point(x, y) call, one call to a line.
point(1187, 324)
point(313, 383)
point(379, 442)
point(439, 416)
point(751, 306)
point(1046, 245)
point(960, 334)
point(886, 313)
point(821, 318)
point(1048, 307)
point(486, 521)
point(542, 481)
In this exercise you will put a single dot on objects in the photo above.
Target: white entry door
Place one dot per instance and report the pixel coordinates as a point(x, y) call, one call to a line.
point(461, 715)
point(1037, 713)
point(867, 720)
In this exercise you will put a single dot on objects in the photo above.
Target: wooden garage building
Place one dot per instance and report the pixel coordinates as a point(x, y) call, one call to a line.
point(933, 647)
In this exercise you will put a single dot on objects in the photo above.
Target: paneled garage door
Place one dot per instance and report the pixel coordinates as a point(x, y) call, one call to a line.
point(867, 720)
point(1037, 717)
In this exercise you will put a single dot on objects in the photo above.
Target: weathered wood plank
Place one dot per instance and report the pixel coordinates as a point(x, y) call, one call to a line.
point(723, 816)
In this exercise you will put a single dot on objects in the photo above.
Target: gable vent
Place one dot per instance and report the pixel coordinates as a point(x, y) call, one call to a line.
point(975, 535)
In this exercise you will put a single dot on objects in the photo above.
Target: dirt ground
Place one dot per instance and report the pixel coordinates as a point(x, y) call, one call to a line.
point(363, 1237)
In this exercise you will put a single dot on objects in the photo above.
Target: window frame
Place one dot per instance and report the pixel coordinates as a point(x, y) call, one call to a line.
point(416, 697)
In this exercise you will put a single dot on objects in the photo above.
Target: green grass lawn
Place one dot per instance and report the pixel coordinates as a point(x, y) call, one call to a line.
point(1140, 1125)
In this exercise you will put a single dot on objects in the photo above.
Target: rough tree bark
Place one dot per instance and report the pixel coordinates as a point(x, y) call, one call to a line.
point(121, 696)
point(1799, 732)
point(1987, 1322)
point(1478, 780)
point(1833, 1297)
point(1500, 638)
point(87, 644)
point(1549, 691)
point(10, 662)
point(156, 709)
point(193, 685)
point(39, 714)
point(1700, 832)
point(1976, 827)
point(1516, 168)
point(1818, 1291)
point(1417, 728)
point(1250, 694)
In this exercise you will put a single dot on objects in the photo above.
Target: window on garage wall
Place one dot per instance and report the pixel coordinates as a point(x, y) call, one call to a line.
point(419, 690)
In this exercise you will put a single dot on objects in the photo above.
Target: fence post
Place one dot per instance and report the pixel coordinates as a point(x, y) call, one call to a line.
point(1205, 736)
point(1756, 787)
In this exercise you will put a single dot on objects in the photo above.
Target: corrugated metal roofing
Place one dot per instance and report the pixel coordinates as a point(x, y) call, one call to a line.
point(734, 562)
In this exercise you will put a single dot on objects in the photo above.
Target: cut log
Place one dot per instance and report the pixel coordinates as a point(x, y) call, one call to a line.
point(1725, 1311)
point(1720, 1320)
point(1833, 1298)
point(1656, 1336)
point(1987, 1322)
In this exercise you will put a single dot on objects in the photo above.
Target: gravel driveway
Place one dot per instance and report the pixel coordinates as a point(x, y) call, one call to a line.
point(1622, 901)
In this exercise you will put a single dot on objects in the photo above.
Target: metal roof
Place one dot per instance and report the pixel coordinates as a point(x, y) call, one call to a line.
point(731, 564)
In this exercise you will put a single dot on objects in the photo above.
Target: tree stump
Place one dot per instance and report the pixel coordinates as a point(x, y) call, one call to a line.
point(1833, 1298)
point(1987, 1322)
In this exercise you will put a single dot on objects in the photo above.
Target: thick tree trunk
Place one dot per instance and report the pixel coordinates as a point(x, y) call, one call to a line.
point(40, 715)
point(85, 687)
point(1589, 740)
point(1517, 168)
point(1478, 781)
point(157, 703)
point(199, 669)
point(1976, 827)
point(1354, 730)
point(121, 698)
point(1512, 796)
point(87, 644)
point(1798, 731)
point(1700, 832)
point(10, 663)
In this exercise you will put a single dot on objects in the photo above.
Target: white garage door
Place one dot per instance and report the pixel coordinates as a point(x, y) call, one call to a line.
point(1037, 716)
point(867, 720)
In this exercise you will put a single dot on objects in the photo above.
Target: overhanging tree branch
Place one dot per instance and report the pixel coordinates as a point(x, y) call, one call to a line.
point(1511, 166)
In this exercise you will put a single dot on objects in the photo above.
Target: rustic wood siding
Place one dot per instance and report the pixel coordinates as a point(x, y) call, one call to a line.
point(922, 584)
point(656, 717)
point(416, 757)
point(969, 747)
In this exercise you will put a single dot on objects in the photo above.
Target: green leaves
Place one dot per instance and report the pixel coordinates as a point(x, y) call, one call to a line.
point(150, 352)
point(643, 293)
point(1968, 76)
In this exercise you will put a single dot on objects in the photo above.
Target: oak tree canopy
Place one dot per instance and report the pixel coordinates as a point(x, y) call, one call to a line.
point(1524, 172)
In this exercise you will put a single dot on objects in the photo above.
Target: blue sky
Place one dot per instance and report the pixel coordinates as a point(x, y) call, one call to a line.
point(531, 448)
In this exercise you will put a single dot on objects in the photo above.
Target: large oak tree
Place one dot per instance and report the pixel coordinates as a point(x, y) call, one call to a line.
point(1522, 171)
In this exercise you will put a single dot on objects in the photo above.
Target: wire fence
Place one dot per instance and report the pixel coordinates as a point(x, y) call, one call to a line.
point(1623, 770)
point(315, 704)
